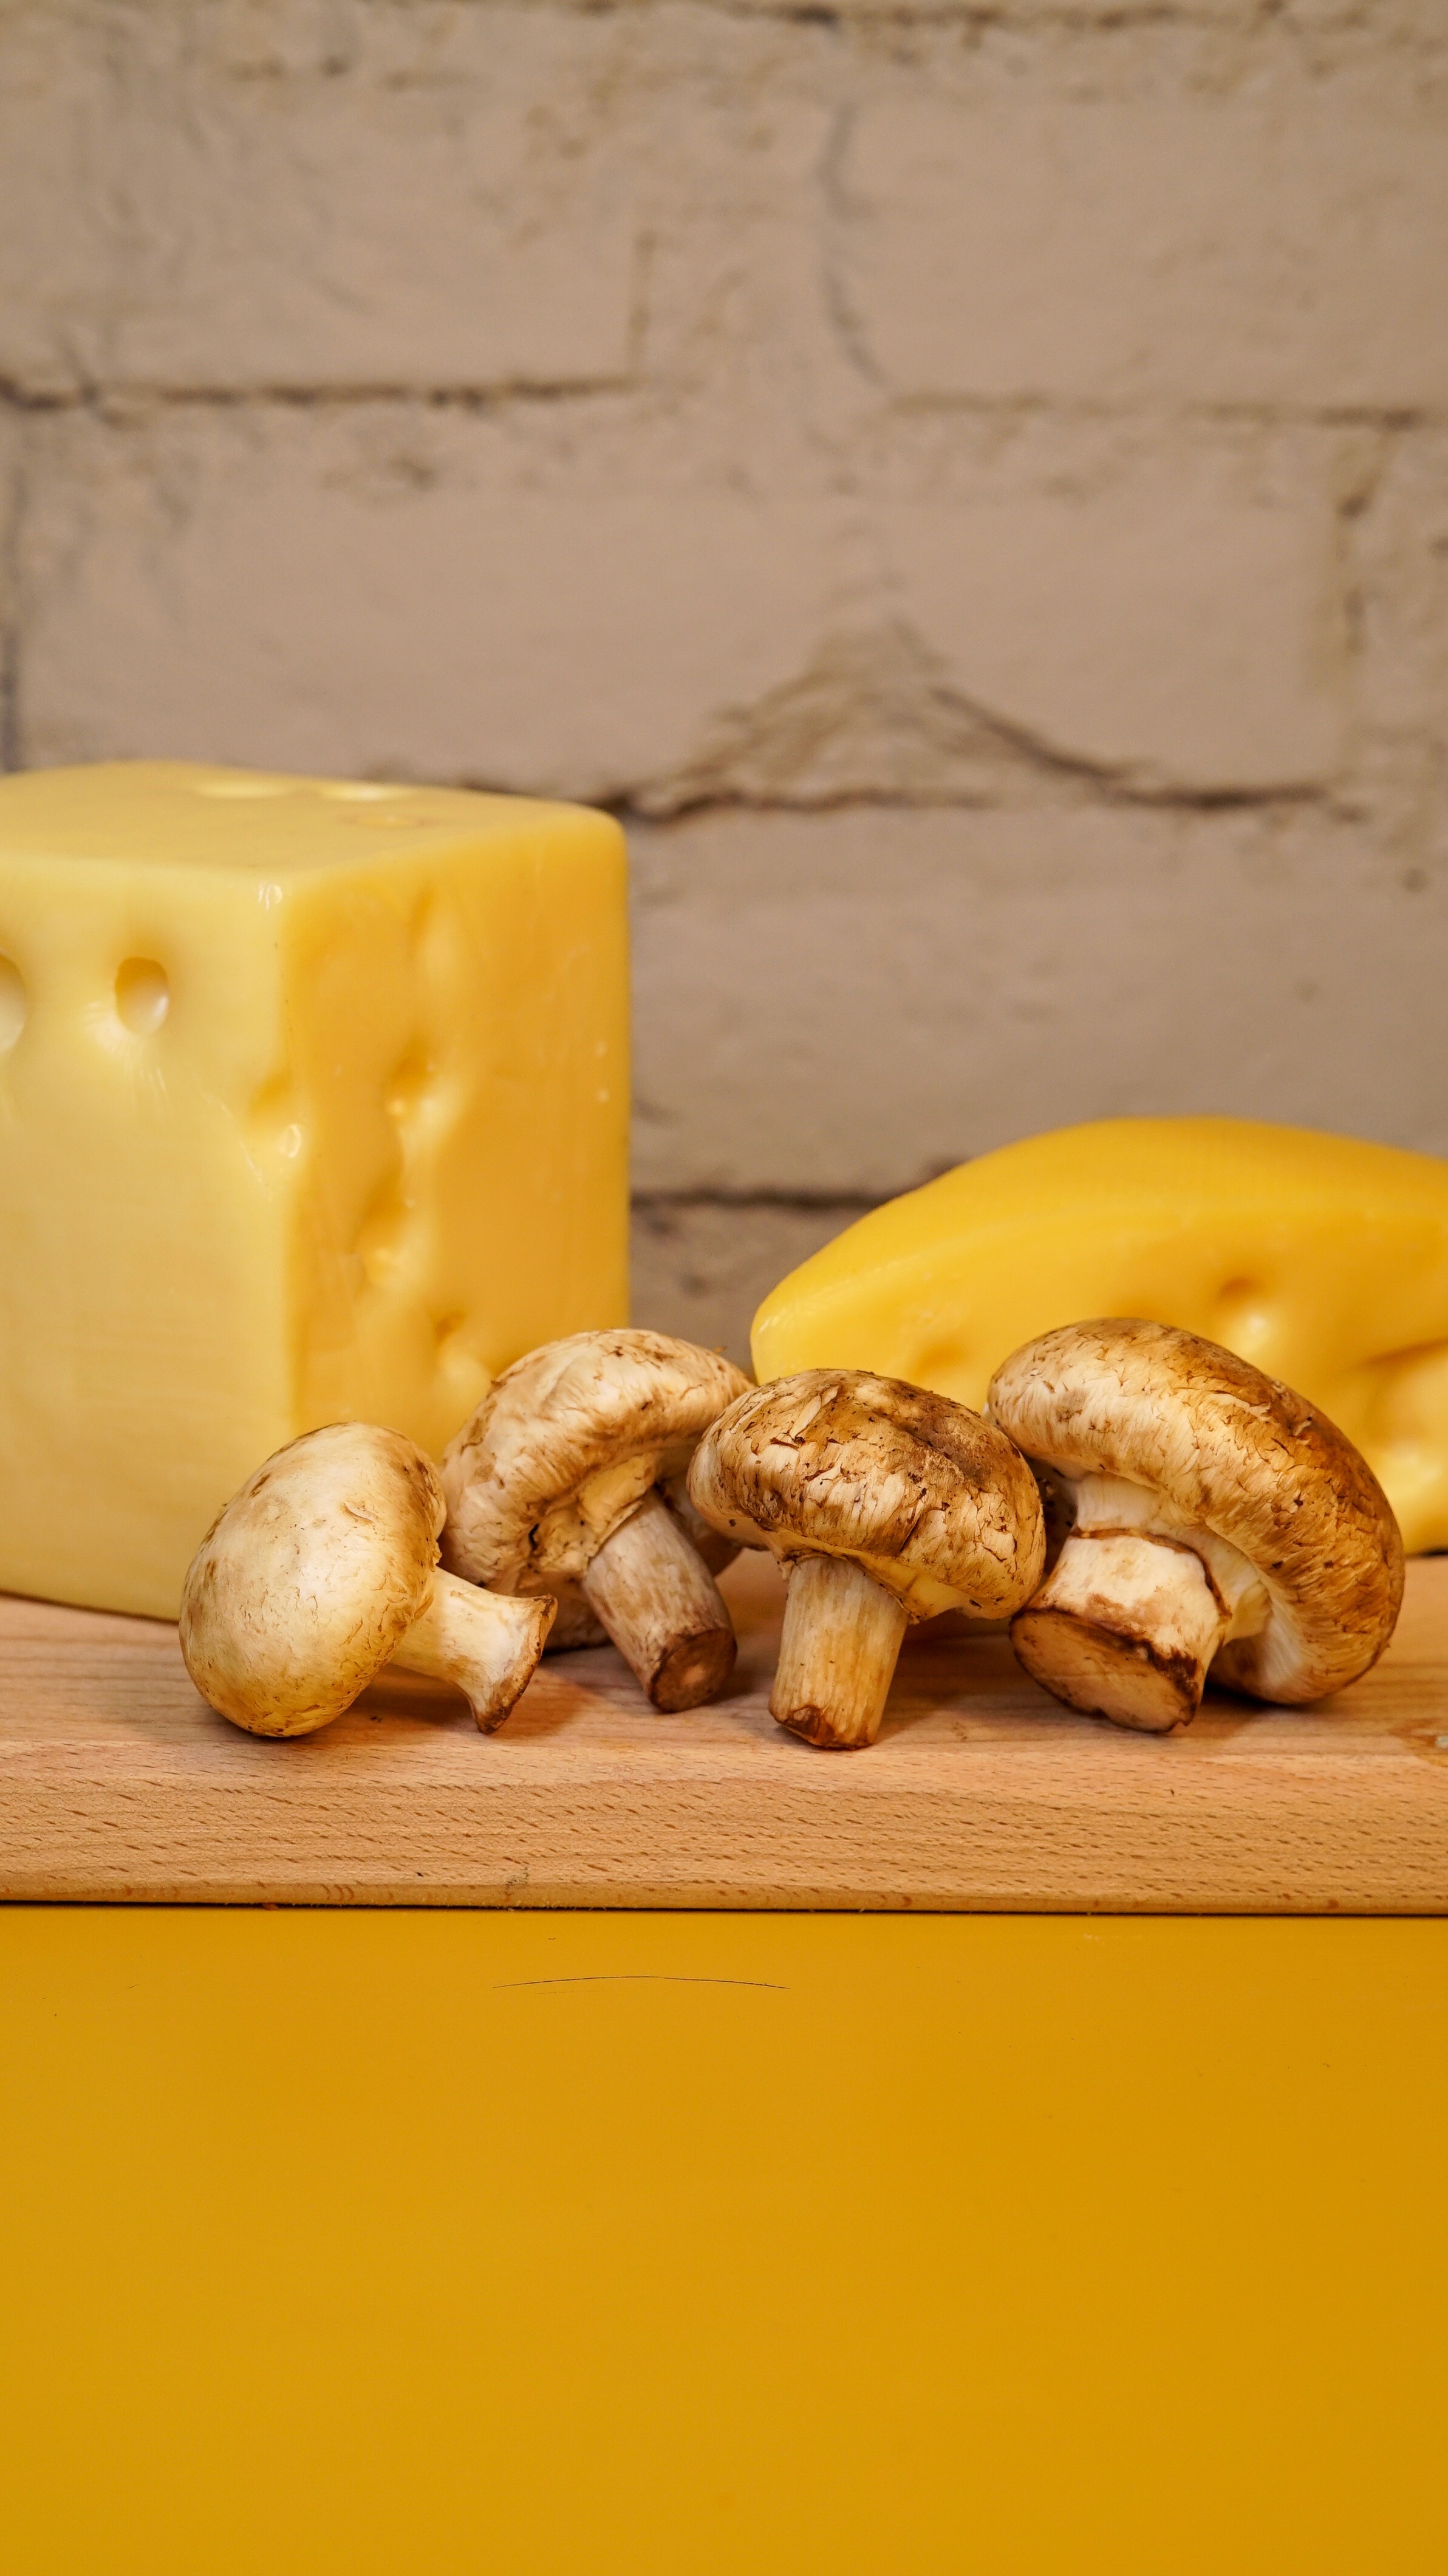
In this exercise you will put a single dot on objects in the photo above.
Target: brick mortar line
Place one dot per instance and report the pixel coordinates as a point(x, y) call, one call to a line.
point(118, 404)
point(1097, 787)
point(1070, 17)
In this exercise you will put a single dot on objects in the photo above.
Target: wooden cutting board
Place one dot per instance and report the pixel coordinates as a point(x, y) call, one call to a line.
point(117, 1782)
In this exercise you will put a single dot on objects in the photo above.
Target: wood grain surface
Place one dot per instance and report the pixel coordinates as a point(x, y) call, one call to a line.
point(117, 1782)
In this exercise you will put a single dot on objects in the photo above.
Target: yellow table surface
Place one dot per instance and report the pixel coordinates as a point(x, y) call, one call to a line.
point(434, 2242)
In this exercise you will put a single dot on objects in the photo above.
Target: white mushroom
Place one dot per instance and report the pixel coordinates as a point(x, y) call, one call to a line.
point(1220, 1523)
point(577, 1624)
point(555, 1484)
point(323, 1568)
point(883, 1504)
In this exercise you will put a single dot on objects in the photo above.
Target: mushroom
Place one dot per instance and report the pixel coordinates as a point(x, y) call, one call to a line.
point(1220, 1522)
point(554, 1485)
point(322, 1569)
point(576, 1624)
point(883, 1504)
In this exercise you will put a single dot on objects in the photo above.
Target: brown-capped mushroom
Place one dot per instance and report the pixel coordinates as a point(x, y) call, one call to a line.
point(323, 1568)
point(1220, 1523)
point(883, 1504)
point(555, 1483)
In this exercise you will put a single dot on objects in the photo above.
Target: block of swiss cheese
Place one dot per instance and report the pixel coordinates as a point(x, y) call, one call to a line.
point(313, 1104)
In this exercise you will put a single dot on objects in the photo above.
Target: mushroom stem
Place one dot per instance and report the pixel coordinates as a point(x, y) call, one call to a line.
point(487, 1644)
point(711, 1544)
point(1124, 1626)
point(662, 1608)
point(837, 1656)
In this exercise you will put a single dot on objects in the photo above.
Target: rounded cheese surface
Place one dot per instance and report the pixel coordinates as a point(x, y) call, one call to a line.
point(1322, 1260)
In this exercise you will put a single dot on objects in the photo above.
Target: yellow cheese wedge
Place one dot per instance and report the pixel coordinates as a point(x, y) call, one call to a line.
point(1322, 1260)
point(313, 1104)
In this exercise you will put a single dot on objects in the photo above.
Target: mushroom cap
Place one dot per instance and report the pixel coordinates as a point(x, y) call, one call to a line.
point(565, 1445)
point(1234, 1452)
point(931, 1499)
point(310, 1578)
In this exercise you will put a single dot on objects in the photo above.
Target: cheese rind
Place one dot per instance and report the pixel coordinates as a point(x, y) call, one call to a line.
point(313, 1105)
point(1321, 1259)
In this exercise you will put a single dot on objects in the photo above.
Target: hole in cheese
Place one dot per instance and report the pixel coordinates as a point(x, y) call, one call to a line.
point(14, 1004)
point(1245, 1317)
point(459, 1361)
point(143, 996)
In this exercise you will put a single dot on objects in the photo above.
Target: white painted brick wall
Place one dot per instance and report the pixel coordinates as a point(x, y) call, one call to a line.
point(305, 197)
point(390, 585)
point(846, 1002)
point(971, 486)
point(1113, 240)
